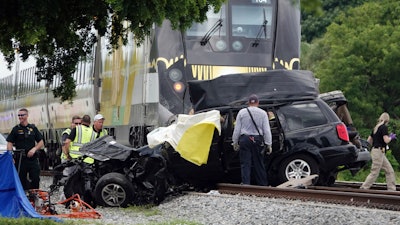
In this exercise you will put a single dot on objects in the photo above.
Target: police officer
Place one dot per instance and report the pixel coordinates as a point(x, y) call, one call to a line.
point(26, 137)
point(98, 121)
point(79, 136)
point(251, 135)
point(379, 139)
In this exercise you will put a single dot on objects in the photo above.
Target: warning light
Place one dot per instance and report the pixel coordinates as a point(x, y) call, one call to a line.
point(175, 75)
point(179, 87)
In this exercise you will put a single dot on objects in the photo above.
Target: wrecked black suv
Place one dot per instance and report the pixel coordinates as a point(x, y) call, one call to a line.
point(308, 137)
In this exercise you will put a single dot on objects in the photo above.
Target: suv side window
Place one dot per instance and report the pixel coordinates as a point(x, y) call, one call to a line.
point(299, 116)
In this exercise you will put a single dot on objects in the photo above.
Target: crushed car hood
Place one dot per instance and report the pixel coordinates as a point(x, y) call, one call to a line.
point(106, 148)
point(270, 86)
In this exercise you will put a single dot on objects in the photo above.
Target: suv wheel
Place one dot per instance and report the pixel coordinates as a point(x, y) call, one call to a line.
point(114, 190)
point(297, 167)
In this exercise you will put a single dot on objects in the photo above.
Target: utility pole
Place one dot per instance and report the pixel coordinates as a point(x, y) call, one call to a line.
point(15, 46)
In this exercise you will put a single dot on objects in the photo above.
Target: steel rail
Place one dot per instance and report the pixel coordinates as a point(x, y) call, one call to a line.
point(377, 199)
point(354, 184)
point(355, 190)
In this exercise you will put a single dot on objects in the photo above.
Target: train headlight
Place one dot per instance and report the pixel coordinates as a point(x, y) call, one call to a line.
point(237, 45)
point(179, 87)
point(175, 75)
point(220, 45)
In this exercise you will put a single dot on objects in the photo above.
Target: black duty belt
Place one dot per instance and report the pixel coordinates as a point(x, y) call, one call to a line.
point(383, 149)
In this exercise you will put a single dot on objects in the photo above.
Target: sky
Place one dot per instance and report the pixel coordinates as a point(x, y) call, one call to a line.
point(3, 66)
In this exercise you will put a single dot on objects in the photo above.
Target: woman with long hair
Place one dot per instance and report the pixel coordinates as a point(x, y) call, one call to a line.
point(379, 139)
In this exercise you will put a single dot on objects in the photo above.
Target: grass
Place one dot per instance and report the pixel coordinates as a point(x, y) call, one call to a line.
point(30, 221)
point(146, 210)
point(27, 221)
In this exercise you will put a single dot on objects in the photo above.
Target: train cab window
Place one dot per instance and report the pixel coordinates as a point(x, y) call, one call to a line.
point(248, 21)
point(201, 29)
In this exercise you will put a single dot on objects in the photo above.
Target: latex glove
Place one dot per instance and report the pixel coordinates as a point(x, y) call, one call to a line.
point(266, 150)
point(392, 136)
point(269, 149)
point(235, 147)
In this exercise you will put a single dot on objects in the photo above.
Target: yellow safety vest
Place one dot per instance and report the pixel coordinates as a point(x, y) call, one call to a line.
point(83, 135)
point(103, 132)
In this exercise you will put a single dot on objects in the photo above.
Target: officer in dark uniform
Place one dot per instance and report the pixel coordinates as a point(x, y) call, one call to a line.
point(26, 137)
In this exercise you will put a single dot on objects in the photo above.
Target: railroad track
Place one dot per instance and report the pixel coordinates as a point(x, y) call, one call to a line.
point(47, 173)
point(353, 184)
point(388, 200)
point(346, 193)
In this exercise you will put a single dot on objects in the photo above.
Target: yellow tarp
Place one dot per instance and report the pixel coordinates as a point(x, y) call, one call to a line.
point(191, 135)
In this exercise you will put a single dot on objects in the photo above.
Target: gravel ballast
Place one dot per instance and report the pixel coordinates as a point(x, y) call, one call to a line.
point(215, 208)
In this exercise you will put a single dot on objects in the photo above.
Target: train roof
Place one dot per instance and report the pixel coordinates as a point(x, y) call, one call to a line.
point(272, 86)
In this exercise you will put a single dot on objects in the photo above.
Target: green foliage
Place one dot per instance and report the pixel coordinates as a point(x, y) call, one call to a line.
point(313, 7)
point(59, 33)
point(357, 55)
point(314, 22)
point(395, 144)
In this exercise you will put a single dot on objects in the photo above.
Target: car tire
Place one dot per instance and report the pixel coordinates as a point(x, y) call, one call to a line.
point(297, 167)
point(114, 190)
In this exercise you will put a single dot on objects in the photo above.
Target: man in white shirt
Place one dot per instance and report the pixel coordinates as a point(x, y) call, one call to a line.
point(251, 135)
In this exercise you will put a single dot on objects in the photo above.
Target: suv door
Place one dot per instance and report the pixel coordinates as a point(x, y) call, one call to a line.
point(311, 143)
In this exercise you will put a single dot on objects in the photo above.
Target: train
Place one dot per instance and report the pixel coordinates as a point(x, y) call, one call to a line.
point(140, 87)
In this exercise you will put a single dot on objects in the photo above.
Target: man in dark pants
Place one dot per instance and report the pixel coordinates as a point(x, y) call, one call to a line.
point(26, 137)
point(251, 135)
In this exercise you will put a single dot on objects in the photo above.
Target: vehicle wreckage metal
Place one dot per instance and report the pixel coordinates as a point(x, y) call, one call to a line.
point(122, 175)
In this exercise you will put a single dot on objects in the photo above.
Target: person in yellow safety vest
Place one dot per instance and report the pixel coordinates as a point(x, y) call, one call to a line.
point(79, 136)
point(98, 121)
point(76, 120)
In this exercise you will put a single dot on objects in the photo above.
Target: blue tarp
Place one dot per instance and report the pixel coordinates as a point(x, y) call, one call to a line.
point(14, 202)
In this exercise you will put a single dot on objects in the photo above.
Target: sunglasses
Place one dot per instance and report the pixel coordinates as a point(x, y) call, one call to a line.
point(21, 115)
point(77, 123)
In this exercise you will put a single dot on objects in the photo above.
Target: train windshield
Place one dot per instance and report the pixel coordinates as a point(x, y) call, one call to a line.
point(251, 21)
point(213, 19)
point(242, 31)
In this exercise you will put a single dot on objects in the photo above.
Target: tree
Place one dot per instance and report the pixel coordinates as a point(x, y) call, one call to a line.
point(59, 33)
point(314, 22)
point(359, 55)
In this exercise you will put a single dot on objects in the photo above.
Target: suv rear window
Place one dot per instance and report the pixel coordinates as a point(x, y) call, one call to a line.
point(299, 116)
